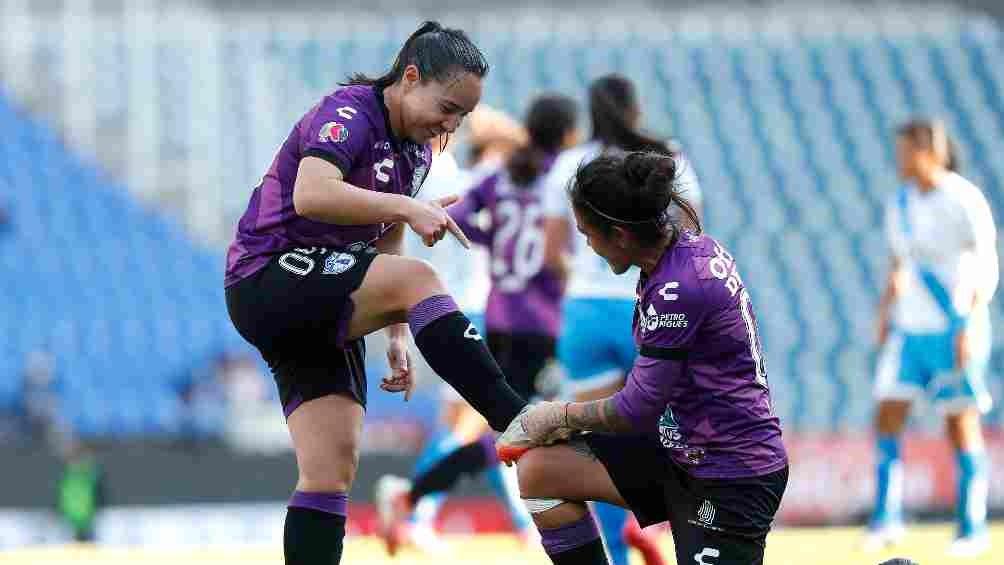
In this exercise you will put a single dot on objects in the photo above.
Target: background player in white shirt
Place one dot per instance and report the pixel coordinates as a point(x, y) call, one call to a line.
point(934, 325)
point(597, 360)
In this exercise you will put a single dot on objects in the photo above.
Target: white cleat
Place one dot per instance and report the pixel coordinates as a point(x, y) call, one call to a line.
point(514, 441)
point(881, 538)
point(392, 510)
point(969, 546)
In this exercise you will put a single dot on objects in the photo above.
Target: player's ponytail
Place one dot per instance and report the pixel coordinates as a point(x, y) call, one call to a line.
point(637, 191)
point(613, 109)
point(548, 122)
point(438, 52)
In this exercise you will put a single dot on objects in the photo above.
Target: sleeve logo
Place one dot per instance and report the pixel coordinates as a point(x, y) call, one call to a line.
point(334, 132)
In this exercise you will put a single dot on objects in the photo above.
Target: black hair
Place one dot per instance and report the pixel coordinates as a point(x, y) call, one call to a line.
point(548, 121)
point(437, 51)
point(635, 191)
point(931, 134)
point(613, 106)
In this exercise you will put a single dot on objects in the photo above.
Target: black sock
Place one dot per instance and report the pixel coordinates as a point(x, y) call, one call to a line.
point(456, 352)
point(469, 459)
point(313, 536)
point(591, 553)
point(577, 543)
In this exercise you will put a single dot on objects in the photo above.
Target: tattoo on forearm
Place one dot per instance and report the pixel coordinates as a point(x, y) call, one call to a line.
point(597, 416)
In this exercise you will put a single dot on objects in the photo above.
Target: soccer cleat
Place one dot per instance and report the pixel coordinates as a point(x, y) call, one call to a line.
point(880, 538)
point(393, 508)
point(514, 441)
point(969, 546)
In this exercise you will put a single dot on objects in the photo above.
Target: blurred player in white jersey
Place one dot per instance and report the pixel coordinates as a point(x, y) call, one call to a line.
point(490, 136)
point(934, 326)
point(595, 359)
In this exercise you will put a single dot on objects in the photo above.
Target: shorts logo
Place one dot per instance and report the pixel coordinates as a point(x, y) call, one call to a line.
point(338, 263)
point(334, 132)
point(664, 291)
point(706, 512)
point(472, 333)
point(706, 552)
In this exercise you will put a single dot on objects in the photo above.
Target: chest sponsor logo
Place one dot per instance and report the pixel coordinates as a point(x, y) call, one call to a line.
point(382, 169)
point(649, 319)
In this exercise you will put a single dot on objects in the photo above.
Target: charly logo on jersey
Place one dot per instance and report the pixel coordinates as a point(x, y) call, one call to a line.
point(334, 132)
point(706, 552)
point(665, 293)
point(649, 319)
point(338, 263)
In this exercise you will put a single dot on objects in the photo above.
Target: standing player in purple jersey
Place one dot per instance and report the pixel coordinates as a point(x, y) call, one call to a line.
point(523, 313)
point(692, 437)
point(315, 266)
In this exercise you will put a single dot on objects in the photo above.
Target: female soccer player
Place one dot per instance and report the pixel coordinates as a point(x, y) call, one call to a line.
point(314, 268)
point(523, 310)
point(691, 438)
point(596, 360)
point(934, 326)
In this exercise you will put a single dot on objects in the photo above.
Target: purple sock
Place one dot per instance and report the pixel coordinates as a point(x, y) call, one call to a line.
point(430, 310)
point(569, 536)
point(329, 502)
point(487, 442)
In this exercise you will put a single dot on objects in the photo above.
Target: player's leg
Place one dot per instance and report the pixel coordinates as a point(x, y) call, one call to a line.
point(962, 396)
point(966, 434)
point(555, 481)
point(322, 386)
point(325, 433)
point(399, 289)
point(898, 382)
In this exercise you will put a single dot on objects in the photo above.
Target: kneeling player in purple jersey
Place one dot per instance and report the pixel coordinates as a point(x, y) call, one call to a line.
point(523, 312)
point(315, 266)
point(692, 437)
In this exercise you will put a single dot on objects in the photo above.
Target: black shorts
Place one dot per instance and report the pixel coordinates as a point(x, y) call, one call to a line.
point(522, 357)
point(296, 311)
point(719, 521)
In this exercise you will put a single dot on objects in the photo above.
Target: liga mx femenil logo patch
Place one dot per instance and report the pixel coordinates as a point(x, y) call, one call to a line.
point(334, 132)
point(338, 263)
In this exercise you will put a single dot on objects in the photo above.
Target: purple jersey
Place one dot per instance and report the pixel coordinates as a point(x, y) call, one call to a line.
point(700, 378)
point(349, 128)
point(525, 297)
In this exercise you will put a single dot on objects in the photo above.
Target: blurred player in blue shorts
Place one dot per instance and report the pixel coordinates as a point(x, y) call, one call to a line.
point(934, 327)
point(522, 315)
point(596, 359)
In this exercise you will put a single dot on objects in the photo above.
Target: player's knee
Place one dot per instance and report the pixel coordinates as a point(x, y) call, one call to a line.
point(334, 472)
point(532, 473)
point(414, 280)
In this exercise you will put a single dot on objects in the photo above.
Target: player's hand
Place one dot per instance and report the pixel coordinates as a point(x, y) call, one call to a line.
point(962, 349)
point(537, 425)
point(401, 378)
point(431, 221)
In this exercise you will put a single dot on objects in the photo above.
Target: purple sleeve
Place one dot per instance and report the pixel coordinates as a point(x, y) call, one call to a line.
point(646, 393)
point(336, 131)
point(464, 213)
